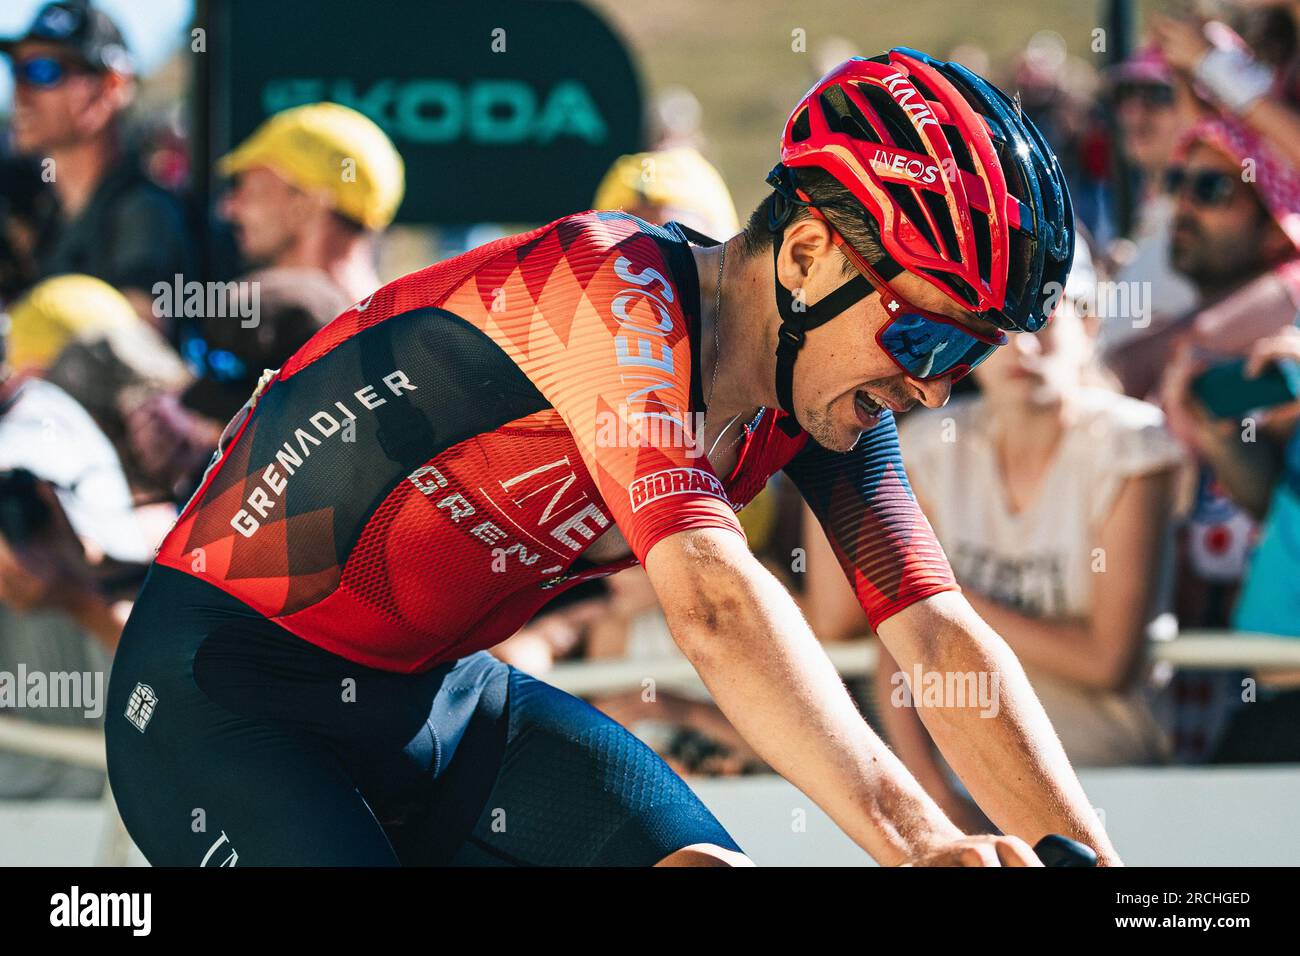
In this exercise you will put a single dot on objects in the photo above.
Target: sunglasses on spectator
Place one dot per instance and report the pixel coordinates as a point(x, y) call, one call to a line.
point(1207, 187)
point(1149, 94)
point(44, 72)
point(217, 364)
point(924, 344)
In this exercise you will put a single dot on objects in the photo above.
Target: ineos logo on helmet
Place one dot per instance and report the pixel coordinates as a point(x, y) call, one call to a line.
point(900, 164)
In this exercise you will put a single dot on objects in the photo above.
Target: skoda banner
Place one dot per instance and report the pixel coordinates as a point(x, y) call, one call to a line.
point(494, 122)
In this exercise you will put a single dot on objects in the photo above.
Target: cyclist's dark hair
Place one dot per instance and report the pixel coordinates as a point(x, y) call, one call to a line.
point(835, 202)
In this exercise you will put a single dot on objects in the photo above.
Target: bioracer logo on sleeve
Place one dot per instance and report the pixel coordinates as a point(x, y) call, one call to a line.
point(673, 481)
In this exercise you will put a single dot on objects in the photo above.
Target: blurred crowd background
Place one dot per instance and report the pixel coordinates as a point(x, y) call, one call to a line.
point(1097, 488)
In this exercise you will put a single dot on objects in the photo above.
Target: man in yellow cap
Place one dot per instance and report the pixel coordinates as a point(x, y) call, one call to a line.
point(313, 186)
point(669, 184)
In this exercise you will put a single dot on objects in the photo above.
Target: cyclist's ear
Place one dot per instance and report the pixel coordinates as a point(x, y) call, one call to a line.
point(807, 244)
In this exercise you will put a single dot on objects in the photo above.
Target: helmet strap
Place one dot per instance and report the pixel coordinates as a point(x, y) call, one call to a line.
point(797, 319)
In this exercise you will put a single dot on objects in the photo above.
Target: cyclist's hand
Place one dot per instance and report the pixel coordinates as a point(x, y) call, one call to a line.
point(984, 850)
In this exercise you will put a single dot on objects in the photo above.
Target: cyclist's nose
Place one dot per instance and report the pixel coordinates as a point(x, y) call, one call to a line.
point(933, 392)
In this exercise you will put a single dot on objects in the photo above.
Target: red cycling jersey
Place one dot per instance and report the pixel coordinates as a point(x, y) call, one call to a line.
point(423, 475)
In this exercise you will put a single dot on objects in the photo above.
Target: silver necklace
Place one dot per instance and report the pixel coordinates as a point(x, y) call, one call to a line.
point(717, 358)
point(718, 355)
point(717, 321)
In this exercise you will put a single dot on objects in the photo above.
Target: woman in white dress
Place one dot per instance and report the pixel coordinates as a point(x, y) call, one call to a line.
point(1054, 500)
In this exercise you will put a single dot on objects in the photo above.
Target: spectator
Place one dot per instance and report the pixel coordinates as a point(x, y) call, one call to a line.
point(1070, 564)
point(1235, 237)
point(73, 81)
point(1066, 555)
point(70, 552)
point(1058, 92)
point(674, 120)
point(68, 309)
point(1260, 470)
point(1150, 120)
point(1236, 79)
point(313, 188)
point(1238, 242)
point(675, 184)
point(173, 433)
point(81, 334)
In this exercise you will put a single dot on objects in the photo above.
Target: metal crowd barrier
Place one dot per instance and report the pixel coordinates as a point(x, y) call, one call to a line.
point(1210, 650)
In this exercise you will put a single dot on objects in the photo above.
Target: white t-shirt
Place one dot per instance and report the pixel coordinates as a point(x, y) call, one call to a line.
point(1041, 561)
point(44, 431)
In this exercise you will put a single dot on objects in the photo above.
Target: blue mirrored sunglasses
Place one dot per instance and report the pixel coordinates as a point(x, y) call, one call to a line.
point(927, 349)
point(923, 344)
point(42, 71)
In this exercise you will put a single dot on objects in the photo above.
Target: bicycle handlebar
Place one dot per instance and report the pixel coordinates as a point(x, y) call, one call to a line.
point(1056, 850)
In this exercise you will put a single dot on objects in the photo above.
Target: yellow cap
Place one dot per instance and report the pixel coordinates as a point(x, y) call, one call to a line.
point(311, 146)
point(59, 310)
point(680, 180)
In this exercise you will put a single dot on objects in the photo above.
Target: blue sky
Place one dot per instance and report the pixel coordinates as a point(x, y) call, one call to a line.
point(153, 28)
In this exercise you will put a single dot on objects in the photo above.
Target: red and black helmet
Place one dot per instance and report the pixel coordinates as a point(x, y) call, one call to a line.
point(960, 186)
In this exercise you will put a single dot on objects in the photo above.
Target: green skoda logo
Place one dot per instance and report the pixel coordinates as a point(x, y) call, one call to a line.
point(497, 112)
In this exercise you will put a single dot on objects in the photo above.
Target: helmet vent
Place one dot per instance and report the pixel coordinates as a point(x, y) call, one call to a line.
point(1022, 246)
point(801, 129)
point(843, 115)
point(983, 243)
point(956, 283)
point(897, 124)
point(960, 153)
point(1012, 170)
point(920, 85)
point(943, 217)
point(969, 95)
point(912, 209)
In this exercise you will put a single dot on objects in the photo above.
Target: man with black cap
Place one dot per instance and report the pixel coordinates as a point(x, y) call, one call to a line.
point(73, 80)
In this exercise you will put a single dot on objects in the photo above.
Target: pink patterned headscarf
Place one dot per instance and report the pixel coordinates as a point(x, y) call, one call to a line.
point(1275, 180)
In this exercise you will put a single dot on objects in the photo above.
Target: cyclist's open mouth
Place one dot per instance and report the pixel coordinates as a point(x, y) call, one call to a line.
point(868, 410)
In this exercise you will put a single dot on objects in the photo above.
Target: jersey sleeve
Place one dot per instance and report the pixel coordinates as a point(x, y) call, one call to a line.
point(881, 538)
point(607, 345)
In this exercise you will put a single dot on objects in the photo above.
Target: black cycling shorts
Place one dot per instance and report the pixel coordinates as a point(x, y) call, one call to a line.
point(233, 742)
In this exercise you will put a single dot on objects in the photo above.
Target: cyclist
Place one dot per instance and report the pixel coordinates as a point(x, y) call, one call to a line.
point(303, 679)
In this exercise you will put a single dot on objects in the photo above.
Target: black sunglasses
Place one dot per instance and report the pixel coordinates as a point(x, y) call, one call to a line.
point(1150, 94)
point(1207, 187)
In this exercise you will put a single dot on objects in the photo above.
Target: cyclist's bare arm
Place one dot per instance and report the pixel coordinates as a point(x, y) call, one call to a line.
point(1011, 760)
point(745, 636)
